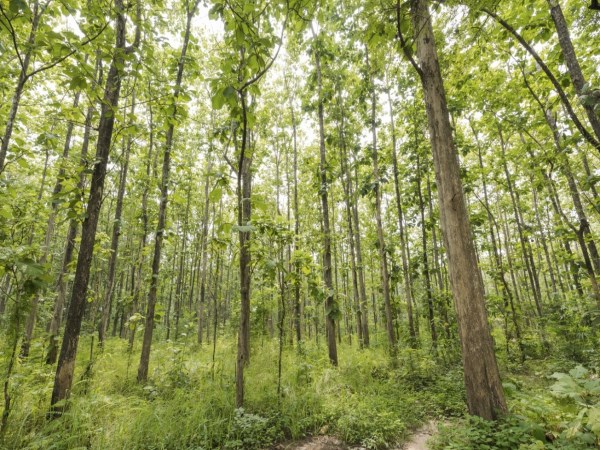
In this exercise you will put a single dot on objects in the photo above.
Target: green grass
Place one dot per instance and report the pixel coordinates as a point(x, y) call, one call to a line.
point(188, 403)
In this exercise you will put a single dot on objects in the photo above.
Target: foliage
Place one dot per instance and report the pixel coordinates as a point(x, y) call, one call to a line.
point(365, 402)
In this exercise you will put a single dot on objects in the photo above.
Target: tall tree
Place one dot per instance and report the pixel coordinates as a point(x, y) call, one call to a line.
point(485, 396)
point(66, 361)
point(330, 304)
point(142, 375)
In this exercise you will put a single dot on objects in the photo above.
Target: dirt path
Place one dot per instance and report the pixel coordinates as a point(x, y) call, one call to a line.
point(418, 441)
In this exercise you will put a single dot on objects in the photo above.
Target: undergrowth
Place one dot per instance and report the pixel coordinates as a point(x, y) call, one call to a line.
point(188, 402)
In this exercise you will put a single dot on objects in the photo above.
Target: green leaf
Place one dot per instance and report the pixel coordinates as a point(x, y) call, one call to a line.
point(593, 421)
point(217, 101)
point(566, 387)
point(215, 195)
point(16, 6)
point(579, 372)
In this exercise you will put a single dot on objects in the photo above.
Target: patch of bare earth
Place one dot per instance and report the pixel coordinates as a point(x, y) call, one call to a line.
point(418, 441)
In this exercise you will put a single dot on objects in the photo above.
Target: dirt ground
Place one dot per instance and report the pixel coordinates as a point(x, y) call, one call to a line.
point(418, 441)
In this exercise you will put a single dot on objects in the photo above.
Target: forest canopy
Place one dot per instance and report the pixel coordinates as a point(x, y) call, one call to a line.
point(257, 221)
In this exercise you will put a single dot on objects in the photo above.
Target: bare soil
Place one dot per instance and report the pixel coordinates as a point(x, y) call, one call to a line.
point(418, 441)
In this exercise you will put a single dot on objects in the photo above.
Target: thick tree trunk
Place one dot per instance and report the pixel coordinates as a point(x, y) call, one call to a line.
point(485, 396)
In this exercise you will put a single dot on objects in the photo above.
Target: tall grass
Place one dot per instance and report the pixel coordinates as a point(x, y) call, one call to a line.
point(188, 402)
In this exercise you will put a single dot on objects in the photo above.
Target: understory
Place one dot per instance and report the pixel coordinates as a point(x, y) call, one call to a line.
point(369, 400)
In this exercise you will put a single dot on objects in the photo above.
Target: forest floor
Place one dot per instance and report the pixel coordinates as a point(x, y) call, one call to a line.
point(418, 441)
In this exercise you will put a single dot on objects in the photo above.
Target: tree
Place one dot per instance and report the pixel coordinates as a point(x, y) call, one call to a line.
point(485, 396)
point(66, 361)
point(191, 7)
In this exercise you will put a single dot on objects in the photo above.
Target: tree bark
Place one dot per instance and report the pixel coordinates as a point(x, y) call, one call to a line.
point(564, 39)
point(24, 62)
point(114, 243)
point(66, 362)
point(383, 263)
point(142, 374)
point(403, 243)
point(330, 304)
point(485, 396)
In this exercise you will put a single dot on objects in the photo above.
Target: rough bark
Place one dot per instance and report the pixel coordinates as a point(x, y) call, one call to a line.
point(564, 39)
point(485, 396)
point(66, 361)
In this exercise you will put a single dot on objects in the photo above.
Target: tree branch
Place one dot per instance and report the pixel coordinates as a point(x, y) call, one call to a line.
point(563, 96)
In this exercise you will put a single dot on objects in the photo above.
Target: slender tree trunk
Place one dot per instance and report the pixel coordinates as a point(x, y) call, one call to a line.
point(182, 262)
point(499, 272)
point(485, 396)
point(527, 257)
point(383, 263)
point(426, 272)
point(145, 225)
point(116, 233)
point(31, 318)
point(564, 39)
point(66, 362)
point(403, 243)
point(347, 181)
point(297, 265)
point(61, 287)
point(362, 289)
point(593, 141)
point(24, 61)
point(330, 305)
point(142, 374)
point(244, 191)
point(204, 241)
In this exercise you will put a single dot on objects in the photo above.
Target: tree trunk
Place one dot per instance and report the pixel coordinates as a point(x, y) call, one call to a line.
point(347, 185)
point(23, 77)
point(116, 233)
point(564, 39)
point(142, 374)
point(383, 263)
point(485, 396)
point(426, 273)
point(66, 362)
point(403, 243)
point(330, 304)
point(32, 317)
point(244, 193)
